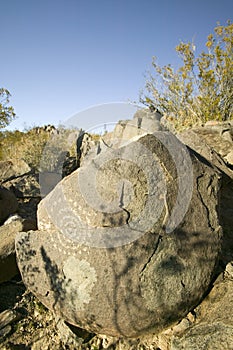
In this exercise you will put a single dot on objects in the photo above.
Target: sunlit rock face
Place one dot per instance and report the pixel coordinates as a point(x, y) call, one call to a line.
point(128, 243)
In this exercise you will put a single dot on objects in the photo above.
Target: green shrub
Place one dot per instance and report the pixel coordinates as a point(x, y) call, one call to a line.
point(202, 88)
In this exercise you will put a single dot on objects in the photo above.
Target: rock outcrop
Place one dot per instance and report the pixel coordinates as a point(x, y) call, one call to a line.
point(127, 244)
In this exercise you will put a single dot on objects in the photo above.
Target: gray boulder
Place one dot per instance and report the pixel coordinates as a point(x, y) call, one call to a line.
point(28, 190)
point(8, 204)
point(129, 243)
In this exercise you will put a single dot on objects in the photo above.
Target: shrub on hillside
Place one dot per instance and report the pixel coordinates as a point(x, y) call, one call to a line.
point(41, 151)
point(202, 88)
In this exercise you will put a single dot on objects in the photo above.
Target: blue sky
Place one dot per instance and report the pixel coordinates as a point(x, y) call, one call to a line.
point(59, 57)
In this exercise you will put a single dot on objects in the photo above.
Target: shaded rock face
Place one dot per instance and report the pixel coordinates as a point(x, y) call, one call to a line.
point(8, 204)
point(8, 266)
point(135, 266)
point(27, 190)
point(210, 148)
point(214, 329)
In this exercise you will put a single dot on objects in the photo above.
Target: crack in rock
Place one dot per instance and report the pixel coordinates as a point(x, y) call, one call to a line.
point(152, 255)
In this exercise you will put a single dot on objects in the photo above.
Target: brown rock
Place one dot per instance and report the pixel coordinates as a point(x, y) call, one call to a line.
point(128, 244)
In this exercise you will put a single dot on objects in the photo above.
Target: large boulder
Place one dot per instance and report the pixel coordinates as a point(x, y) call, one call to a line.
point(8, 204)
point(25, 186)
point(128, 243)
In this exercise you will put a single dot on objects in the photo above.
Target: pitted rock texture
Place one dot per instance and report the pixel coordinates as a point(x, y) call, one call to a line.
point(214, 328)
point(139, 265)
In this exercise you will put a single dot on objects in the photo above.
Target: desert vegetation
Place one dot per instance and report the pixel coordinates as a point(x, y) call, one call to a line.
point(201, 89)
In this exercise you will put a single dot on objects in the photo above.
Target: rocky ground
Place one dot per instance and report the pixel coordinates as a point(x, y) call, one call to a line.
point(27, 324)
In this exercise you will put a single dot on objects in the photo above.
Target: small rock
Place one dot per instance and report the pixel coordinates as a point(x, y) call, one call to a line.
point(229, 269)
point(7, 317)
point(182, 326)
point(5, 331)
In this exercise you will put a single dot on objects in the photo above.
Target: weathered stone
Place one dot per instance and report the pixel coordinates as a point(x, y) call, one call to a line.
point(7, 317)
point(8, 265)
point(214, 329)
point(143, 122)
point(128, 244)
point(207, 148)
point(212, 137)
point(25, 186)
point(229, 158)
point(8, 204)
point(5, 331)
point(12, 168)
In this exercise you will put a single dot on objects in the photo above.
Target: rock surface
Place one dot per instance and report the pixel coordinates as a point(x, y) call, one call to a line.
point(13, 168)
point(143, 122)
point(8, 265)
point(27, 190)
point(208, 149)
point(8, 204)
point(217, 136)
point(214, 329)
point(139, 264)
